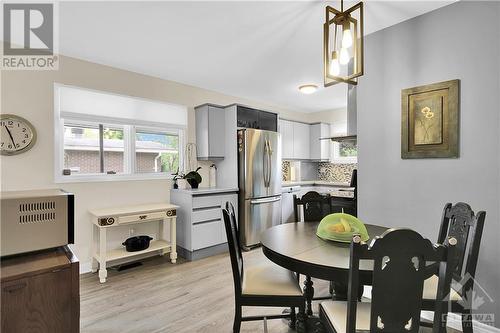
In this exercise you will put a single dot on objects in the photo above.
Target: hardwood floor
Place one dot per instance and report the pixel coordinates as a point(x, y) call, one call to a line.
point(162, 297)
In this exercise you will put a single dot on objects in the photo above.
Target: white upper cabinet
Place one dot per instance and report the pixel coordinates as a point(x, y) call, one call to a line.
point(320, 149)
point(286, 131)
point(301, 140)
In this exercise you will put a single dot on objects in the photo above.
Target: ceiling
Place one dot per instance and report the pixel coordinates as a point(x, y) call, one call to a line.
point(257, 50)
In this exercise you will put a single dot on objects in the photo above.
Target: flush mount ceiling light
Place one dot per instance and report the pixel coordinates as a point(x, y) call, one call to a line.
point(308, 88)
point(343, 44)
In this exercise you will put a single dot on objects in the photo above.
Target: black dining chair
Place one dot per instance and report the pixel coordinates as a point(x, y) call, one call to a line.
point(460, 222)
point(315, 206)
point(400, 260)
point(265, 284)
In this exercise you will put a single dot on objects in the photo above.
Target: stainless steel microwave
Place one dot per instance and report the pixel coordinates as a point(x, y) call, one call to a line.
point(36, 220)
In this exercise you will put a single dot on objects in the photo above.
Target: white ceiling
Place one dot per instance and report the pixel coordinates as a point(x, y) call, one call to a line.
point(256, 50)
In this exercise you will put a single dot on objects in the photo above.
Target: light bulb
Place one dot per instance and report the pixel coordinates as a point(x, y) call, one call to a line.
point(346, 38)
point(344, 56)
point(334, 64)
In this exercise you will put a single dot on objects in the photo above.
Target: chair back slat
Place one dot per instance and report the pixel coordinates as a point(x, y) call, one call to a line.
point(233, 243)
point(460, 222)
point(400, 258)
point(315, 206)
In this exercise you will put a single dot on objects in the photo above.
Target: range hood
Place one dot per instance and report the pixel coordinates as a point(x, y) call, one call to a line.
point(352, 120)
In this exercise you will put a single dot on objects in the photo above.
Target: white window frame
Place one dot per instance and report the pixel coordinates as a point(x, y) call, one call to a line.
point(336, 158)
point(129, 129)
point(339, 128)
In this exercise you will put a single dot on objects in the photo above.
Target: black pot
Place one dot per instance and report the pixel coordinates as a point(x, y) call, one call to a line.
point(193, 183)
point(137, 243)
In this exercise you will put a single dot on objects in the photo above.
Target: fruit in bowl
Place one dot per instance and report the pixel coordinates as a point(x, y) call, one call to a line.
point(341, 227)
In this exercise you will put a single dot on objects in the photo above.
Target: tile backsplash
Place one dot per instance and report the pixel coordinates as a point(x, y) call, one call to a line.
point(326, 171)
point(336, 172)
point(285, 170)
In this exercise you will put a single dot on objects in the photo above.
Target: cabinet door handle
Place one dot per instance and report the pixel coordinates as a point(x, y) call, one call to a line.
point(14, 288)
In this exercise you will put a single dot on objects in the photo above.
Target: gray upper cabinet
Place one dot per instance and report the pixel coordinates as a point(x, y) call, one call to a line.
point(320, 149)
point(210, 131)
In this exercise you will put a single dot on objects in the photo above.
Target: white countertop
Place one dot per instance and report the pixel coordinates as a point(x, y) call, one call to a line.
point(313, 183)
point(207, 190)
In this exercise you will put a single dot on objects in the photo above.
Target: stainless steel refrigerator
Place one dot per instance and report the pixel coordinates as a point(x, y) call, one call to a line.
point(259, 177)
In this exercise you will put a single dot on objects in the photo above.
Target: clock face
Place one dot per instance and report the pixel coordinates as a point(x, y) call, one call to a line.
point(17, 135)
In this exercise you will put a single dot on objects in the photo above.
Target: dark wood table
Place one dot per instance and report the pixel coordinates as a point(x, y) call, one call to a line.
point(296, 247)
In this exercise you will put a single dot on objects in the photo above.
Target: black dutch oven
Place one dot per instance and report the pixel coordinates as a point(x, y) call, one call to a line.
point(137, 243)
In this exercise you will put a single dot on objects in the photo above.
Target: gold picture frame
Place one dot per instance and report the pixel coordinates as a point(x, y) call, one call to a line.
point(430, 121)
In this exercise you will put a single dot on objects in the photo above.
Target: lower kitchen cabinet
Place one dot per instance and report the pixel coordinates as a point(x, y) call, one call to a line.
point(200, 226)
point(40, 292)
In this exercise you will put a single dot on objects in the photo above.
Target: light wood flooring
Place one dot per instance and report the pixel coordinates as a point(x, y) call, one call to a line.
point(162, 297)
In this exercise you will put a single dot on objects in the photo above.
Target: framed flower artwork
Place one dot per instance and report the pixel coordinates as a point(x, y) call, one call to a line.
point(430, 121)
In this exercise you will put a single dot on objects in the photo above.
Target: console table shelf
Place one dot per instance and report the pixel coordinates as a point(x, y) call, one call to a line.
point(105, 220)
point(155, 245)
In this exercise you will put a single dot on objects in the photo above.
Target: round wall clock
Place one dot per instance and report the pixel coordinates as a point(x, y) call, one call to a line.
point(17, 134)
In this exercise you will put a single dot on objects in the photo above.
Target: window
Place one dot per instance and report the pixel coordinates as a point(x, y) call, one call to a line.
point(99, 147)
point(345, 152)
point(156, 152)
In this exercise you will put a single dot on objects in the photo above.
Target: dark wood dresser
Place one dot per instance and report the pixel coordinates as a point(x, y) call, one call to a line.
point(41, 292)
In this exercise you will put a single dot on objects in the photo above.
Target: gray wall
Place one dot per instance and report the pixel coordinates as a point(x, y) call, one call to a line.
point(459, 41)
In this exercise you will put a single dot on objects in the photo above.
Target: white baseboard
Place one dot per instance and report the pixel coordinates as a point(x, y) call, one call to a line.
point(85, 267)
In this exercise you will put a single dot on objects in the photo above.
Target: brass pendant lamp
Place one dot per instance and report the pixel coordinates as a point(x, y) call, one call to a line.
point(343, 44)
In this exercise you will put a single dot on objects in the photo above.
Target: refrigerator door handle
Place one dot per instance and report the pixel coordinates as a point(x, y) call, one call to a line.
point(266, 160)
point(269, 161)
point(266, 200)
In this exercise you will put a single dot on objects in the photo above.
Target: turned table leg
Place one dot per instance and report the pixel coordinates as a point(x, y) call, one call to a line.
point(308, 294)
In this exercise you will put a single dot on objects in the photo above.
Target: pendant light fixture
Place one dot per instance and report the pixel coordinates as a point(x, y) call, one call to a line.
point(343, 44)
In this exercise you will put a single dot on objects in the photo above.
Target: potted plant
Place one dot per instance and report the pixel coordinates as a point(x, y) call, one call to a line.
point(177, 176)
point(193, 178)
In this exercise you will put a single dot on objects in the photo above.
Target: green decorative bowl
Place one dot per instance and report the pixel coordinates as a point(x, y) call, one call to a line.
point(340, 227)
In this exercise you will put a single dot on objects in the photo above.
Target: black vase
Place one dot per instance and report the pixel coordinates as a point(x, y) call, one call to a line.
point(193, 183)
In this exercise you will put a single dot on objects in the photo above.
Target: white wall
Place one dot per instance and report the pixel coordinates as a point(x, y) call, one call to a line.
point(460, 41)
point(30, 94)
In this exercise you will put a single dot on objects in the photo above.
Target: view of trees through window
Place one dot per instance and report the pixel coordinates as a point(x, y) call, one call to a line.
point(164, 146)
point(348, 149)
point(154, 152)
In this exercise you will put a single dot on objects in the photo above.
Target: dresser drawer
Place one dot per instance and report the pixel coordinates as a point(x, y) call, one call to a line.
point(206, 215)
point(141, 217)
point(206, 234)
point(207, 201)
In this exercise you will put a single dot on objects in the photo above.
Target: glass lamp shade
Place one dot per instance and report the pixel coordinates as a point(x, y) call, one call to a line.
point(347, 65)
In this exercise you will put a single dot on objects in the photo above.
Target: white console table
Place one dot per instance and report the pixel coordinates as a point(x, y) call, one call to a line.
point(109, 218)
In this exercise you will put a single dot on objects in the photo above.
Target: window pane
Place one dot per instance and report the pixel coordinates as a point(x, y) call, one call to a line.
point(156, 152)
point(113, 149)
point(81, 149)
point(348, 149)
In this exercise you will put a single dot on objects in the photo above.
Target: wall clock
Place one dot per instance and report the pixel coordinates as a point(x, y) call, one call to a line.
point(17, 135)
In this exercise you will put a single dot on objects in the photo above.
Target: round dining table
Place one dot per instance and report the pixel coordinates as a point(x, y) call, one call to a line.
point(296, 247)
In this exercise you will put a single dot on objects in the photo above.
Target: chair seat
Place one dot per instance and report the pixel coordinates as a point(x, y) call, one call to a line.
point(431, 287)
point(270, 280)
point(336, 313)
